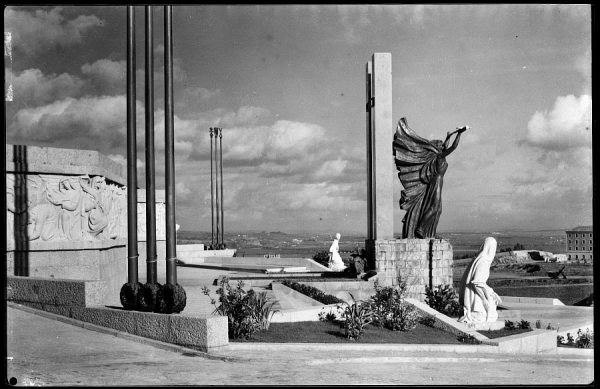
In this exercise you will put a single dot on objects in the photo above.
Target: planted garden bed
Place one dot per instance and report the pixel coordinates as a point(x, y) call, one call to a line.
point(329, 332)
point(504, 332)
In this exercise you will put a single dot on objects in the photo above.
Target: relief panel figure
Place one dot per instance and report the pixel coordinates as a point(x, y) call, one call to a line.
point(50, 207)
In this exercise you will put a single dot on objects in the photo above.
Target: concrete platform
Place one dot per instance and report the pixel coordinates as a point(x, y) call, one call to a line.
point(563, 318)
point(49, 352)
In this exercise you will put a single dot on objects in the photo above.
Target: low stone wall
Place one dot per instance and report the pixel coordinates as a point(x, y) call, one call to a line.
point(55, 291)
point(418, 262)
point(102, 261)
point(82, 300)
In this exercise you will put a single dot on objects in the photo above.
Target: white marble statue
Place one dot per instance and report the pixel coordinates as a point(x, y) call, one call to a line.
point(478, 300)
point(335, 261)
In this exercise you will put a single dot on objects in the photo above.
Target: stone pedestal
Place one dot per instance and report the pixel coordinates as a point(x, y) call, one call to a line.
point(419, 262)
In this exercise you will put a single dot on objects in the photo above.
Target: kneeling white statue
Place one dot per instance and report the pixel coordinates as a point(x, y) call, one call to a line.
point(478, 300)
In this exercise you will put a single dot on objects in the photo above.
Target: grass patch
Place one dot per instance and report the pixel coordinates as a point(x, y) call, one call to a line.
point(328, 332)
point(504, 332)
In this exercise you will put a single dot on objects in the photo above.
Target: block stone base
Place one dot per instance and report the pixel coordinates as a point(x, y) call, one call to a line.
point(418, 262)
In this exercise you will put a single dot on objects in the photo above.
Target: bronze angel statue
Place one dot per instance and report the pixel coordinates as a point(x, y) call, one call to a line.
point(421, 166)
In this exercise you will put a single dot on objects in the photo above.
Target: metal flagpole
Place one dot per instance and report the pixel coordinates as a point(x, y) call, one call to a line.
point(171, 265)
point(217, 185)
point(132, 241)
point(212, 200)
point(221, 168)
point(150, 186)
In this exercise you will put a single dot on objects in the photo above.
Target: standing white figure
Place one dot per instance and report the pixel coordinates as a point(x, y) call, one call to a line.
point(478, 300)
point(335, 261)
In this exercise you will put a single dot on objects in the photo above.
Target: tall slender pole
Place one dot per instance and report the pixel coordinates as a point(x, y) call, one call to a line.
point(217, 185)
point(212, 199)
point(150, 186)
point(132, 241)
point(221, 168)
point(171, 278)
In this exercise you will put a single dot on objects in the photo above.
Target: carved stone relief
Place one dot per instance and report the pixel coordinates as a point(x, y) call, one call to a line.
point(64, 208)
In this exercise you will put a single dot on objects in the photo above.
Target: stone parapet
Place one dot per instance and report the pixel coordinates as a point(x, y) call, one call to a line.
point(35, 160)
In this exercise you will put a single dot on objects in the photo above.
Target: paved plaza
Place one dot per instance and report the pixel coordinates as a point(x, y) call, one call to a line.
point(42, 350)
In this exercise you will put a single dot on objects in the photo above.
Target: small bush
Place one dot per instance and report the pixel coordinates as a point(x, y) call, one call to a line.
point(389, 309)
point(327, 317)
point(525, 325)
point(428, 321)
point(262, 308)
point(470, 339)
point(585, 339)
point(322, 257)
point(538, 324)
point(570, 339)
point(443, 299)
point(560, 340)
point(247, 311)
point(356, 317)
point(312, 292)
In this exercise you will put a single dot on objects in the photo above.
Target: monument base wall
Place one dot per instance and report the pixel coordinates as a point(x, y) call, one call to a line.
point(418, 262)
point(94, 261)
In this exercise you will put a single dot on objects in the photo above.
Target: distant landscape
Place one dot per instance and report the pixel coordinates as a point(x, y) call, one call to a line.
point(305, 245)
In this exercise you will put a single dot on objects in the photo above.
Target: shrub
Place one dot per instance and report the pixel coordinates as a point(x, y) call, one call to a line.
point(510, 325)
point(322, 257)
point(570, 340)
point(262, 308)
point(312, 292)
point(443, 299)
point(356, 317)
point(329, 316)
point(389, 309)
point(525, 325)
point(560, 340)
point(428, 321)
point(247, 311)
point(470, 339)
point(585, 339)
point(538, 324)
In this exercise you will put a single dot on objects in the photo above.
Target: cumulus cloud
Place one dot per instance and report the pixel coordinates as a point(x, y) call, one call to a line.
point(96, 123)
point(182, 190)
point(193, 95)
point(41, 31)
point(33, 88)
point(106, 75)
point(331, 169)
point(567, 125)
point(119, 158)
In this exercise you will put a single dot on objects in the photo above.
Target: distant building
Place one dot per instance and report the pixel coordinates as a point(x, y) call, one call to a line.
point(580, 244)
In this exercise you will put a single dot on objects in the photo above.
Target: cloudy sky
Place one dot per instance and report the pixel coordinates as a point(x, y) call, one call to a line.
point(286, 83)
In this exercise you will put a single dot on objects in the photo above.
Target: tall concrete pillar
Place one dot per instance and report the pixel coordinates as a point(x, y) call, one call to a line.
point(380, 161)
